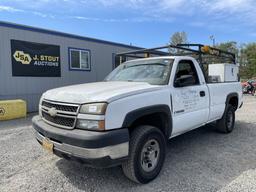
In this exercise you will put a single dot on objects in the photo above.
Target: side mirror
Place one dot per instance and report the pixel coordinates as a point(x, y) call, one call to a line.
point(184, 80)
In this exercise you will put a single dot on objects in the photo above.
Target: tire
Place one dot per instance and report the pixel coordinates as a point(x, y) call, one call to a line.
point(147, 146)
point(227, 122)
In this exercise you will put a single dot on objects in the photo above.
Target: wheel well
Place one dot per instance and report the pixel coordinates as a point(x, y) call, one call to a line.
point(160, 120)
point(234, 102)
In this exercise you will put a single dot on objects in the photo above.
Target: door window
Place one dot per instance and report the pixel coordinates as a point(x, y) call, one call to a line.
point(187, 68)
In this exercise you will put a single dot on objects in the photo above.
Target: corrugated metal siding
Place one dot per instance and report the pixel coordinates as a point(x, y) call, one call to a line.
point(31, 88)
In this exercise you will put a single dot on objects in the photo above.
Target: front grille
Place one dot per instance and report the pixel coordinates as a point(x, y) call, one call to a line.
point(64, 115)
point(58, 120)
point(59, 107)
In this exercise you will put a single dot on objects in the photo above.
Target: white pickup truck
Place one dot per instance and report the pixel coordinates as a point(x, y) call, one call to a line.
point(128, 118)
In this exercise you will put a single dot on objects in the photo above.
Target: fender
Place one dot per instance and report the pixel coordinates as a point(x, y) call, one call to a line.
point(132, 116)
point(231, 95)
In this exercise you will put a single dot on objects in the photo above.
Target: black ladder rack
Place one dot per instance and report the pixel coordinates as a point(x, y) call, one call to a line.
point(198, 51)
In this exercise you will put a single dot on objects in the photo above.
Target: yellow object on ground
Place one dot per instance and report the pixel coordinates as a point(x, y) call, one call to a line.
point(12, 109)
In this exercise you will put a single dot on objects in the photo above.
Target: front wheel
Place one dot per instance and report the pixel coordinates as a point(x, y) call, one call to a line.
point(227, 122)
point(147, 154)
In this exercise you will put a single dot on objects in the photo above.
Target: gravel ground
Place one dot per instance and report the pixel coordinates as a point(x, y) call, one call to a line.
point(201, 160)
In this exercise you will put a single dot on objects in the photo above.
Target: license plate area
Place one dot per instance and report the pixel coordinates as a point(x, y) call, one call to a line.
point(47, 144)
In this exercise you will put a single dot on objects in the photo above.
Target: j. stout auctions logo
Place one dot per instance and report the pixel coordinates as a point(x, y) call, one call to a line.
point(22, 57)
point(37, 60)
point(31, 59)
point(2, 111)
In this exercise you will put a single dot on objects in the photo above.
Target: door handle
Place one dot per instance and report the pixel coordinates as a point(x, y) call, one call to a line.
point(202, 93)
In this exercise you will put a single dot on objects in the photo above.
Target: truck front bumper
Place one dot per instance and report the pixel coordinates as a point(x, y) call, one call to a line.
point(96, 149)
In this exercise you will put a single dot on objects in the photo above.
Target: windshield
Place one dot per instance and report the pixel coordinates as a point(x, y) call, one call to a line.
point(154, 71)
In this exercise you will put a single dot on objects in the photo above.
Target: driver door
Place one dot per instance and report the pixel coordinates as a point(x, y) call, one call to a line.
point(190, 100)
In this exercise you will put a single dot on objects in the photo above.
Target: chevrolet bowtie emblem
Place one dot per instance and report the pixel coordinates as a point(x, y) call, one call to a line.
point(52, 111)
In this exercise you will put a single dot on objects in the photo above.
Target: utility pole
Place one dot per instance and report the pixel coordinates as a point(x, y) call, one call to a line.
point(213, 40)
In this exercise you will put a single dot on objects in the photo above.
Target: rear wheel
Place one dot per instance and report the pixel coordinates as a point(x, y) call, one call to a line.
point(227, 122)
point(147, 154)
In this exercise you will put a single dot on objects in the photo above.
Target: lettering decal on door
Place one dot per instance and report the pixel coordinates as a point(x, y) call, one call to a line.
point(186, 100)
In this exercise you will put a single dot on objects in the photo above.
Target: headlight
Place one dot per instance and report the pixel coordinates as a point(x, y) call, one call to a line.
point(94, 108)
point(91, 124)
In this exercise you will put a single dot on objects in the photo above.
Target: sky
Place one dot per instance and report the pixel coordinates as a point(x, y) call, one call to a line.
point(144, 23)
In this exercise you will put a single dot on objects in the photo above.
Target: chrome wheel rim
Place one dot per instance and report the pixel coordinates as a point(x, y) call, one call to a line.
point(150, 155)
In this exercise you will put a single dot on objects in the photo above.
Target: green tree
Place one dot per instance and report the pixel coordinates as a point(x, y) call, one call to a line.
point(230, 46)
point(248, 61)
point(246, 57)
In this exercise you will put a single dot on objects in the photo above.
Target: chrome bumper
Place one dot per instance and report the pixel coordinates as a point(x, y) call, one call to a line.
point(114, 152)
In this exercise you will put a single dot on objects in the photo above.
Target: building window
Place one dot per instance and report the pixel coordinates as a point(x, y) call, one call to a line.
point(79, 59)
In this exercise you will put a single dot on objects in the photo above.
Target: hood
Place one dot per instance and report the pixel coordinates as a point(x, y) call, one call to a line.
point(98, 92)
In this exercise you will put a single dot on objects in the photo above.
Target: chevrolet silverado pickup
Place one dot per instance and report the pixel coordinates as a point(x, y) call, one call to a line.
point(127, 118)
